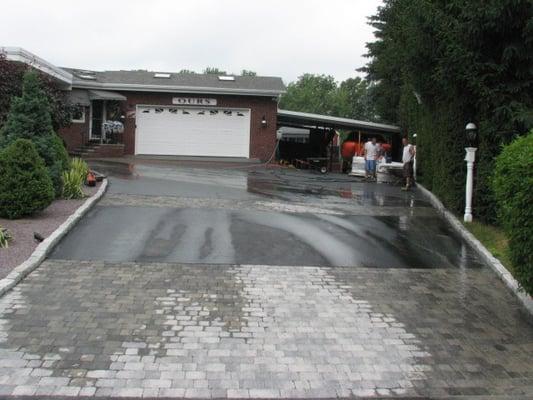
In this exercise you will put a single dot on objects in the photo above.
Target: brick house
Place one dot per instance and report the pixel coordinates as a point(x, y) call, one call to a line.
point(166, 113)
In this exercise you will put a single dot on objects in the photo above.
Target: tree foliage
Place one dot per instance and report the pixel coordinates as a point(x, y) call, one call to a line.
point(25, 187)
point(247, 72)
point(512, 182)
point(11, 77)
point(321, 94)
point(30, 118)
point(354, 100)
point(311, 93)
point(214, 71)
point(437, 65)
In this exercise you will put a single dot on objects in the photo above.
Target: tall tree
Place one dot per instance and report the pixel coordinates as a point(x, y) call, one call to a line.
point(438, 64)
point(29, 118)
point(214, 71)
point(321, 94)
point(311, 93)
point(247, 72)
point(354, 101)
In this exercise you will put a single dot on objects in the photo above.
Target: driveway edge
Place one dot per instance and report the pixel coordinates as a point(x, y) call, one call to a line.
point(44, 248)
point(486, 255)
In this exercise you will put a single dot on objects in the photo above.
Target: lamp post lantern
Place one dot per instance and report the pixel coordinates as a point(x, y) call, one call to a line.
point(471, 136)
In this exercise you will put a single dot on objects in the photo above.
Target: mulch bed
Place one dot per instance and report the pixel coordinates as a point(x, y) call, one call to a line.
point(23, 243)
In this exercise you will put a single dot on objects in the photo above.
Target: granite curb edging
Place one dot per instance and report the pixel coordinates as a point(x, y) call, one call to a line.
point(485, 254)
point(41, 251)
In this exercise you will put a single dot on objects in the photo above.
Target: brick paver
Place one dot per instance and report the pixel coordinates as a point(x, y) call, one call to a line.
point(169, 330)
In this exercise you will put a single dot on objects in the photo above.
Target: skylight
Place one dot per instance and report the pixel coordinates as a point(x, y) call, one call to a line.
point(87, 76)
point(226, 78)
point(161, 75)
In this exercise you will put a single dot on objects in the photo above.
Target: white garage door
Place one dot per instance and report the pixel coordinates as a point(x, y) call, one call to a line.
point(215, 132)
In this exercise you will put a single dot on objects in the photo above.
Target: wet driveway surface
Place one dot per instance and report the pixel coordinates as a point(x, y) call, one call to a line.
point(267, 217)
point(253, 283)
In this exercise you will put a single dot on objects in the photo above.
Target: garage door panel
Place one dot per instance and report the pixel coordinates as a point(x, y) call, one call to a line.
point(193, 132)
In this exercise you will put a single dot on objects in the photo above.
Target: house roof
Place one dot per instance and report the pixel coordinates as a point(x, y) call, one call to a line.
point(301, 119)
point(176, 82)
point(18, 54)
point(141, 80)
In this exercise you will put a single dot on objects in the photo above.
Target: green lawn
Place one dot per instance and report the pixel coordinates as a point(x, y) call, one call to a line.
point(494, 239)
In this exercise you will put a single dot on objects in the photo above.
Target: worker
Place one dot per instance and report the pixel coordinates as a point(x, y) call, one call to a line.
point(370, 154)
point(408, 156)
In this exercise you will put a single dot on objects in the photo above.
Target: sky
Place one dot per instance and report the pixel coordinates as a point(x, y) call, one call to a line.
point(274, 37)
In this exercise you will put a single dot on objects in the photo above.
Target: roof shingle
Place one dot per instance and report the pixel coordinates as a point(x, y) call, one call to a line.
point(128, 80)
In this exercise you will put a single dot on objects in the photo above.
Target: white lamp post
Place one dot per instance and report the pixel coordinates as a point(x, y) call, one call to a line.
point(471, 134)
point(414, 159)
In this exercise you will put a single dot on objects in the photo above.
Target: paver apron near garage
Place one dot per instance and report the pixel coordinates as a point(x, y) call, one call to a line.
point(385, 301)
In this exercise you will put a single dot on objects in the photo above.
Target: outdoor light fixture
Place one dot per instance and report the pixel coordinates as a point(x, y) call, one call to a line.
point(471, 140)
point(471, 134)
point(263, 122)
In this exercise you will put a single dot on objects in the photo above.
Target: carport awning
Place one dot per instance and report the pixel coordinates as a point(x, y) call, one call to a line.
point(105, 95)
point(308, 120)
point(79, 97)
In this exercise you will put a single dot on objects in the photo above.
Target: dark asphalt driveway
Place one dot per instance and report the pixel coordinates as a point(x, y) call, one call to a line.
point(250, 215)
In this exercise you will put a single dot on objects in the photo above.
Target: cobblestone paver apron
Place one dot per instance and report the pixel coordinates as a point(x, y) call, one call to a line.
point(169, 330)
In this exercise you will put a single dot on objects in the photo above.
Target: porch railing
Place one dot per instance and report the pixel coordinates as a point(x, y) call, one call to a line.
point(111, 132)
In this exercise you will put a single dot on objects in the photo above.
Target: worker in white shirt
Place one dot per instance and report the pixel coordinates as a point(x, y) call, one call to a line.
point(408, 156)
point(371, 155)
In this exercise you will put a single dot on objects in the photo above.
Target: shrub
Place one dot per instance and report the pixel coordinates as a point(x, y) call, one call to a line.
point(80, 167)
point(72, 183)
point(25, 187)
point(59, 163)
point(5, 237)
point(29, 118)
point(512, 183)
point(74, 178)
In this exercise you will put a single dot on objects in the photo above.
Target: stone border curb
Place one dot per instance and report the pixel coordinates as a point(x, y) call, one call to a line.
point(42, 250)
point(486, 255)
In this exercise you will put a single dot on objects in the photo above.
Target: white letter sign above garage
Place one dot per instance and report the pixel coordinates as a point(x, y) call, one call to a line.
point(194, 101)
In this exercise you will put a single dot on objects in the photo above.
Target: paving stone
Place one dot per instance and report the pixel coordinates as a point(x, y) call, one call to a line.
point(67, 391)
point(127, 392)
point(87, 391)
point(150, 392)
point(238, 393)
point(198, 393)
point(45, 390)
point(172, 392)
point(24, 390)
point(264, 393)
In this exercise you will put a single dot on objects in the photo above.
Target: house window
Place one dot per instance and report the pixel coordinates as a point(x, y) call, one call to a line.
point(78, 114)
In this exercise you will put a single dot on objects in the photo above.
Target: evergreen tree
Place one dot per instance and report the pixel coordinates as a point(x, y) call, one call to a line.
point(437, 65)
point(25, 187)
point(29, 118)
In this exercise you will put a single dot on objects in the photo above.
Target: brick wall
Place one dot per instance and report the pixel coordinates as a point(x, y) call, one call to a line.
point(262, 139)
point(77, 133)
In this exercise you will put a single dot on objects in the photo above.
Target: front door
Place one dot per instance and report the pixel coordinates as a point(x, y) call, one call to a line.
point(97, 119)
